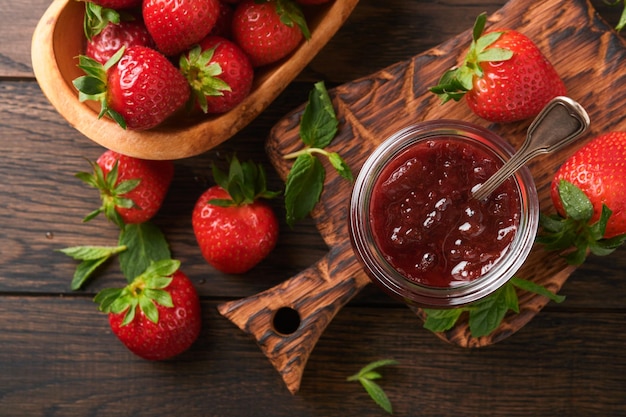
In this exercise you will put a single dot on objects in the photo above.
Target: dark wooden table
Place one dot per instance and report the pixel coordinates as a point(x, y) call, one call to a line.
point(59, 358)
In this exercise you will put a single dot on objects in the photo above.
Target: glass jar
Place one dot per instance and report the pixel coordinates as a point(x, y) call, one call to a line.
point(418, 232)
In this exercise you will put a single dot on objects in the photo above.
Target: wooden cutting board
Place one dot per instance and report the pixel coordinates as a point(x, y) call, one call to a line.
point(587, 54)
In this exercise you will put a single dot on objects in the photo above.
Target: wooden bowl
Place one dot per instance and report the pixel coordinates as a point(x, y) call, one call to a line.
point(58, 40)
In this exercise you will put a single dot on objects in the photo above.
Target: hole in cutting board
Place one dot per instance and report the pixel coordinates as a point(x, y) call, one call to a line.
point(286, 320)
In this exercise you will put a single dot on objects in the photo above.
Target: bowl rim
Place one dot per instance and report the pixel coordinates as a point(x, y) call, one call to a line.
point(160, 142)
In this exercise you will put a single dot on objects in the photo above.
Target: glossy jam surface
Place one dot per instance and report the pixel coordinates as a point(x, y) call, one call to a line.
point(425, 222)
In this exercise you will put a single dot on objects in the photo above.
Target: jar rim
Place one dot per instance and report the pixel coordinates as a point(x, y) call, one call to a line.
point(392, 281)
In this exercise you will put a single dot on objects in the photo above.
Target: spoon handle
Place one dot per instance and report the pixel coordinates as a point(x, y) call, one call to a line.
point(560, 122)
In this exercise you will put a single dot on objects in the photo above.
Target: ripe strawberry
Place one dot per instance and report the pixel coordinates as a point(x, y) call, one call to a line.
point(270, 30)
point(234, 229)
point(504, 77)
point(224, 23)
point(158, 315)
point(176, 25)
point(589, 193)
point(219, 73)
point(132, 190)
point(104, 44)
point(138, 87)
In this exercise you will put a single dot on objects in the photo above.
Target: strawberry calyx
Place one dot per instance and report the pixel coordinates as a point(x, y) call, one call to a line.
point(111, 193)
point(202, 74)
point(145, 292)
point(455, 82)
point(290, 14)
point(573, 234)
point(94, 85)
point(97, 18)
point(245, 182)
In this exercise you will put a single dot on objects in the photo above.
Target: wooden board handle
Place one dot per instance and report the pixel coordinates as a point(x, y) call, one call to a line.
point(288, 319)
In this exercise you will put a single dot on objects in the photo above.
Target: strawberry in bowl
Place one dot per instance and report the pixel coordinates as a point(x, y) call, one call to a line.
point(59, 39)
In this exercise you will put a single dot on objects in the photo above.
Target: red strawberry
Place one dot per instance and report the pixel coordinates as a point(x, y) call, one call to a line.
point(132, 190)
point(589, 193)
point(504, 77)
point(103, 45)
point(138, 87)
point(234, 229)
point(158, 315)
point(224, 23)
point(219, 73)
point(268, 31)
point(176, 25)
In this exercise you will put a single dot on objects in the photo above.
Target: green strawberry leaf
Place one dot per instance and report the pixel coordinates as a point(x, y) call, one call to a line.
point(145, 291)
point(303, 188)
point(573, 235)
point(245, 182)
point(455, 82)
point(92, 257)
point(111, 194)
point(97, 18)
point(575, 202)
point(290, 13)
point(366, 376)
point(146, 244)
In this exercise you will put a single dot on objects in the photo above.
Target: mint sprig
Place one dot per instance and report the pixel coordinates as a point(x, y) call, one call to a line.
point(487, 314)
point(366, 377)
point(305, 181)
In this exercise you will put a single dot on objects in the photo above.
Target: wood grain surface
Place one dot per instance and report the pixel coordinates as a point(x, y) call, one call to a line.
point(59, 358)
point(581, 47)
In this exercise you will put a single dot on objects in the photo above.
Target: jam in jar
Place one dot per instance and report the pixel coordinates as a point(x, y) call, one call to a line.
point(416, 227)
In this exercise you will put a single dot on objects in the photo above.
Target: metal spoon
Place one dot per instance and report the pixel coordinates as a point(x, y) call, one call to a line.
point(560, 122)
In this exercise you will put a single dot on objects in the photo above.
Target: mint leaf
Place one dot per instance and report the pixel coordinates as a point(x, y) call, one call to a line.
point(92, 257)
point(441, 320)
point(340, 166)
point(366, 376)
point(303, 188)
point(305, 181)
point(318, 125)
point(530, 286)
point(146, 244)
point(486, 315)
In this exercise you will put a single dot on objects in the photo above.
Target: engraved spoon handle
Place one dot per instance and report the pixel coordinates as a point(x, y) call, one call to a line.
point(560, 122)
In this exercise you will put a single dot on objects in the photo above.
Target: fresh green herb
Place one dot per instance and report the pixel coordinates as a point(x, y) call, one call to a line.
point(146, 244)
point(366, 377)
point(573, 233)
point(305, 180)
point(92, 257)
point(486, 315)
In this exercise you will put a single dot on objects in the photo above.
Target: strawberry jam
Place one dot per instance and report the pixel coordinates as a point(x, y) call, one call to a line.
point(417, 231)
point(425, 221)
